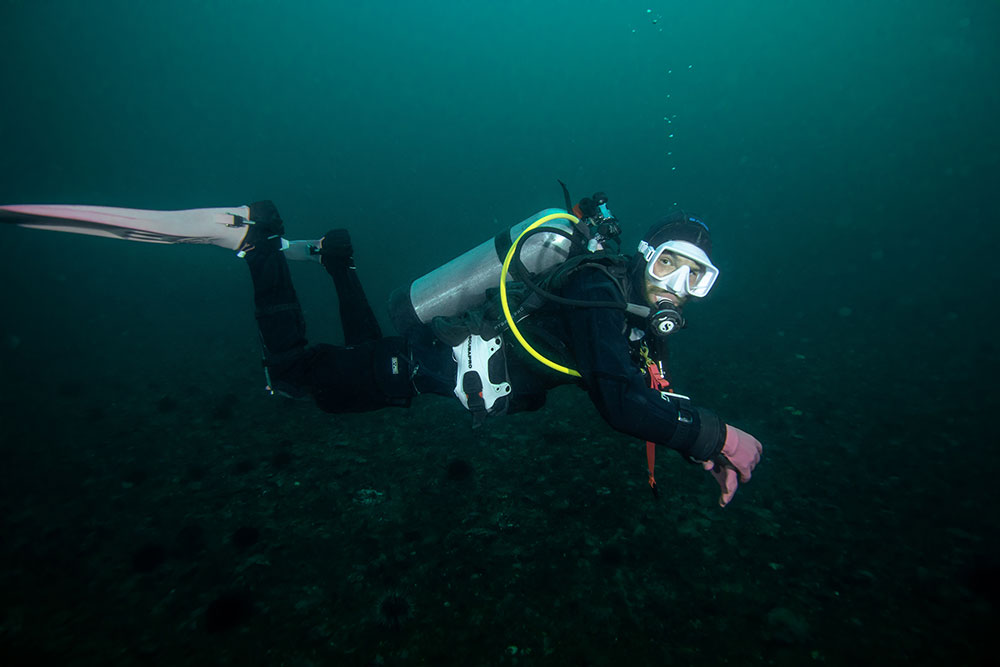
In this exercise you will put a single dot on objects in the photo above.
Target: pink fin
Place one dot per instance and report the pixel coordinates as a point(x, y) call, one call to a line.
point(217, 226)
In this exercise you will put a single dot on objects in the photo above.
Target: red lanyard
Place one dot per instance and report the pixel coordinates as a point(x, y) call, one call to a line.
point(659, 383)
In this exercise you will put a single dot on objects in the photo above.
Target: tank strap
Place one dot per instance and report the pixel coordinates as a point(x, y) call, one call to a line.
point(502, 243)
point(566, 197)
point(481, 378)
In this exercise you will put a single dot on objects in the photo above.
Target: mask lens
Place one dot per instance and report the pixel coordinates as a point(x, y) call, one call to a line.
point(664, 265)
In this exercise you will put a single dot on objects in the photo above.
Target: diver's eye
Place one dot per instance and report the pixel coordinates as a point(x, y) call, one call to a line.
point(666, 261)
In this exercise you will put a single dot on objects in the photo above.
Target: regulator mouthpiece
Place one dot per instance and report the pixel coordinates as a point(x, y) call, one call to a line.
point(665, 319)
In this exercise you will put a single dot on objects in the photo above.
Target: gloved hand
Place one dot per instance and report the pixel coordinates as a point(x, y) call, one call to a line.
point(739, 456)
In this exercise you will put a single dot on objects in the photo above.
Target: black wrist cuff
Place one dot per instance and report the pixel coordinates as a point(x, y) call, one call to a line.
point(711, 436)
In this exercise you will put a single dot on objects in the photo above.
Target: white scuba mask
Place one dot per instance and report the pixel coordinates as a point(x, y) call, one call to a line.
point(679, 279)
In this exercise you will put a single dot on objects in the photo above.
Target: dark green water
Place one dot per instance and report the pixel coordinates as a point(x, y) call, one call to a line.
point(845, 155)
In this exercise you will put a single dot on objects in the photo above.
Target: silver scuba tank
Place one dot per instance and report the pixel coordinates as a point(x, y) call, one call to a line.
point(461, 284)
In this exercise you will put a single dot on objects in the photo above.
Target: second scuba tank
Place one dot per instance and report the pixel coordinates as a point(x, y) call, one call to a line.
point(461, 284)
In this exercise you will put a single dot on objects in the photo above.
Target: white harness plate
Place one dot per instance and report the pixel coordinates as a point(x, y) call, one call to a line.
point(473, 356)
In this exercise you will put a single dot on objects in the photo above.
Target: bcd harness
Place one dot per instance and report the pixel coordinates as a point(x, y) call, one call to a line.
point(475, 337)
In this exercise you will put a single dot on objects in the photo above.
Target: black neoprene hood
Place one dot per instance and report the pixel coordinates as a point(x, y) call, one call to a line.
point(680, 226)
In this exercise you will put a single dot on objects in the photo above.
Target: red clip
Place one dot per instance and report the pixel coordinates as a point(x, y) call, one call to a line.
point(656, 379)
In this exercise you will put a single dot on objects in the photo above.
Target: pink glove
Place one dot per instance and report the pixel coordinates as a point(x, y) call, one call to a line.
point(739, 456)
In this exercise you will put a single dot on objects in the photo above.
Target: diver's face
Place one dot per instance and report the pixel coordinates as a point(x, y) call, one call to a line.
point(666, 264)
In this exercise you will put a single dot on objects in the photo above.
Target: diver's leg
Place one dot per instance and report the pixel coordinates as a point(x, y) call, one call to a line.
point(279, 316)
point(356, 313)
point(370, 374)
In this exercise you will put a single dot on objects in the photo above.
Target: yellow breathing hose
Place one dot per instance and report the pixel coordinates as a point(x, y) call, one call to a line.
point(503, 293)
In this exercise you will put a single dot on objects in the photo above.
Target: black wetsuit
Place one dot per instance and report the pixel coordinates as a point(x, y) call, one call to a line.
point(372, 371)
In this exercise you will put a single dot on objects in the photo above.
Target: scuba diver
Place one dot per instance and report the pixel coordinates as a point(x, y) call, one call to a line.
point(548, 302)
